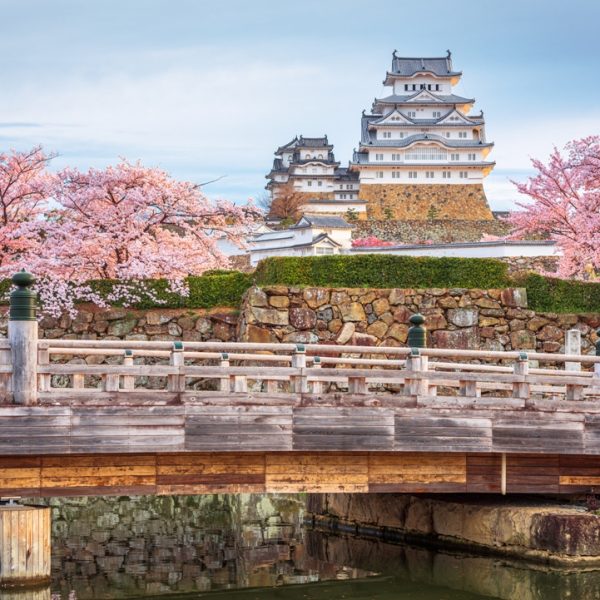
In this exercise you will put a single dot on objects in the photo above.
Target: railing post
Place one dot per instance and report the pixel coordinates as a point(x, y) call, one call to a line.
point(44, 379)
point(317, 386)
point(417, 338)
point(597, 365)
point(23, 338)
point(176, 383)
point(522, 389)
point(128, 380)
point(299, 382)
point(224, 382)
point(573, 346)
point(5, 360)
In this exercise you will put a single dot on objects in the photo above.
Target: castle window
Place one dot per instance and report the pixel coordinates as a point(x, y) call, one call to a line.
point(436, 114)
point(319, 183)
point(395, 174)
point(308, 156)
point(395, 157)
point(406, 87)
point(402, 134)
point(423, 86)
point(446, 174)
point(426, 153)
point(379, 157)
point(320, 156)
point(455, 157)
point(437, 87)
point(414, 87)
point(463, 175)
point(379, 174)
point(387, 134)
point(429, 174)
point(462, 134)
point(412, 174)
point(472, 156)
point(349, 186)
point(412, 114)
point(309, 182)
point(447, 134)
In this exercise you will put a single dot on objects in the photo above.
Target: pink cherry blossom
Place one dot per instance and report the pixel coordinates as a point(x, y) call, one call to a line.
point(127, 222)
point(565, 206)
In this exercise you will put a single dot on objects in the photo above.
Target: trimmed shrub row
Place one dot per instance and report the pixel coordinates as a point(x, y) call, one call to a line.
point(549, 294)
point(383, 271)
point(226, 288)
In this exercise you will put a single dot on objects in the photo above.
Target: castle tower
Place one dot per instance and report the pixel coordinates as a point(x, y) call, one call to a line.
point(421, 154)
point(306, 168)
point(308, 164)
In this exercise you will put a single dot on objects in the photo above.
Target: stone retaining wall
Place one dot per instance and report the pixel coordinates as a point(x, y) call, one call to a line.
point(456, 318)
point(436, 230)
point(126, 324)
point(551, 534)
point(426, 201)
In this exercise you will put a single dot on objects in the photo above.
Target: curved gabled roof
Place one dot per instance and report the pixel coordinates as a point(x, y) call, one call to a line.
point(406, 66)
point(438, 99)
point(369, 141)
point(380, 119)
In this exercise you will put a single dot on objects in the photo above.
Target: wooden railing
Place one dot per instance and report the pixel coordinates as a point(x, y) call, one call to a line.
point(90, 367)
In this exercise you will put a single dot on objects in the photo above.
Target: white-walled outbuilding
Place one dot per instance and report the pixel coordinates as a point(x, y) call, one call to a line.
point(494, 249)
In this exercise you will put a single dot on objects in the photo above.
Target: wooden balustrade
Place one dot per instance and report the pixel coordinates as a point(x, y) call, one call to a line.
point(303, 369)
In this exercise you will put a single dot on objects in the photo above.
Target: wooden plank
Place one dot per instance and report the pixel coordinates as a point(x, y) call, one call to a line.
point(338, 428)
point(321, 472)
point(483, 473)
point(416, 471)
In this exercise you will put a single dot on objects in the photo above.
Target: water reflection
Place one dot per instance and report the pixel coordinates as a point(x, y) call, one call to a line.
point(255, 547)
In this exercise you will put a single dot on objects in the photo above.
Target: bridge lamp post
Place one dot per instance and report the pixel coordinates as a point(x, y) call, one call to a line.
point(23, 338)
point(417, 333)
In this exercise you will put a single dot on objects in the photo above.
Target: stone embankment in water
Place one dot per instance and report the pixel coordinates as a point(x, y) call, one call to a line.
point(545, 533)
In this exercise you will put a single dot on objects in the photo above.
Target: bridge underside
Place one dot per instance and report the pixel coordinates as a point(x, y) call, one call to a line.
point(293, 472)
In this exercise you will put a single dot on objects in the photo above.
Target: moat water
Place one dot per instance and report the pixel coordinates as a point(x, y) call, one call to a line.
point(257, 547)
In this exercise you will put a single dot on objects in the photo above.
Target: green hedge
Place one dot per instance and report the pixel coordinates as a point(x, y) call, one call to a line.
point(219, 289)
point(383, 271)
point(207, 291)
point(549, 294)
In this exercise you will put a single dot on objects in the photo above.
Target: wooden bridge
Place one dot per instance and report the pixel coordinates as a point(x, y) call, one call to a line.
point(133, 417)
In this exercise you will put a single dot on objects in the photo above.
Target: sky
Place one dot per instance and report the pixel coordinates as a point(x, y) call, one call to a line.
point(209, 90)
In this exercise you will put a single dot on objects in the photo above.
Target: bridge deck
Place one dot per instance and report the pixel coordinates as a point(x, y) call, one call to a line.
point(287, 418)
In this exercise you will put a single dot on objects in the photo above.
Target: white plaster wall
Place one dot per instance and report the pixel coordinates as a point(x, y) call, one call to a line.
point(483, 250)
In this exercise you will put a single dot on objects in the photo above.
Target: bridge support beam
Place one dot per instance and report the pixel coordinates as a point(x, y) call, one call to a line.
point(24, 545)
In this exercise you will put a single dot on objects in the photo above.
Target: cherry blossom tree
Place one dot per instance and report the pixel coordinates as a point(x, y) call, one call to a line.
point(127, 222)
point(565, 206)
point(25, 186)
point(132, 222)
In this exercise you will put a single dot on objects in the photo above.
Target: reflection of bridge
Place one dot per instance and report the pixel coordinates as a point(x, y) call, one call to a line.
point(215, 417)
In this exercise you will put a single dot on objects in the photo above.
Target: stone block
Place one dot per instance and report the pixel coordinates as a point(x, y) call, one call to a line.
point(460, 339)
point(279, 301)
point(316, 297)
point(352, 311)
point(346, 332)
point(522, 340)
point(302, 318)
point(270, 316)
point(463, 317)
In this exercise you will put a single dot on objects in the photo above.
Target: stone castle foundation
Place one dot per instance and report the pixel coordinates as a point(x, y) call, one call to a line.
point(426, 201)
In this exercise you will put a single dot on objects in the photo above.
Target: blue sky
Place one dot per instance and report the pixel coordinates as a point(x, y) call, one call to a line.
point(210, 89)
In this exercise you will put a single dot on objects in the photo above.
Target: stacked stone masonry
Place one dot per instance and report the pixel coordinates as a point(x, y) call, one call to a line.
point(426, 201)
point(456, 318)
point(434, 230)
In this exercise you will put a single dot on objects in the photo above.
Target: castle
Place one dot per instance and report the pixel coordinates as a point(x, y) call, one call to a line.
point(421, 155)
